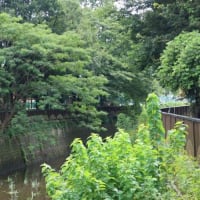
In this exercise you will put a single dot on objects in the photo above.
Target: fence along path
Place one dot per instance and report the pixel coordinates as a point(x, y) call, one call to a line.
point(169, 116)
point(193, 137)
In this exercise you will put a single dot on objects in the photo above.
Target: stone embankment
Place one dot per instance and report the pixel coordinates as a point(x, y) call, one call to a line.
point(25, 150)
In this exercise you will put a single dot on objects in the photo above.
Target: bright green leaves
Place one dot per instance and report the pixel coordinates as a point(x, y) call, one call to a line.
point(109, 40)
point(154, 119)
point(7, 32)
point(51, 68)
point(177, 137)
point(180, 66)
point(53, 181)
point(180, 62)
point(117, 168)
point(114, 169)
point(5, 81)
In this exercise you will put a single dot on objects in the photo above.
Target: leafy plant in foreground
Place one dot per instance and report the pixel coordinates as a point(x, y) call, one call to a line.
point(114, 169)
point(119, 169)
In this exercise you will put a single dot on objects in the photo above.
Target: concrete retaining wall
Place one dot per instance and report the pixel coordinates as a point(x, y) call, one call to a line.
point(26, 150)
point(10, 155)
point(21, 151)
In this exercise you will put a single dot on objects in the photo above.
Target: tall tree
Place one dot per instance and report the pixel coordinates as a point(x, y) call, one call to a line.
point(105, 32)
point(59, 15)
point(50, 68)
point(110, 42)
point(155, 22)
point(180, 67)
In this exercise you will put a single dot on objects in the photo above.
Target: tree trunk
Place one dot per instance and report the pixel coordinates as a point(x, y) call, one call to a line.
point(7, 118)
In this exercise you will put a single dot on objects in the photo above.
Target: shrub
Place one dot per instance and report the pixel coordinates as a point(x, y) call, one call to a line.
point(148, 169)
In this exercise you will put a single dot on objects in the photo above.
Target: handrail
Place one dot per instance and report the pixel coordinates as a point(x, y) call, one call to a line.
point(182, 117)
point(179, 110)
point(193, 129)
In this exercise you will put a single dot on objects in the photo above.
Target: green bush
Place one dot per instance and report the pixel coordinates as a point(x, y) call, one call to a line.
point(151, 168)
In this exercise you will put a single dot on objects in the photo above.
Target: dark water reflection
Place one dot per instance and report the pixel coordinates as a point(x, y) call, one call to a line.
point(29, 184)
point(26, 184)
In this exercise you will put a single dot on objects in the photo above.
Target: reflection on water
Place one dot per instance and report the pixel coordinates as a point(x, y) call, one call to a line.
point(29, 184)
point(26, 184)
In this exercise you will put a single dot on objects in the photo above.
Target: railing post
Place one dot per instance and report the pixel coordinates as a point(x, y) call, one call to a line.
point(194, 138)
point(193, 130)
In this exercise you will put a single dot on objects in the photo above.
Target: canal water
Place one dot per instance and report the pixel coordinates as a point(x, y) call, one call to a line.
point(29, 184)
point(26, 184)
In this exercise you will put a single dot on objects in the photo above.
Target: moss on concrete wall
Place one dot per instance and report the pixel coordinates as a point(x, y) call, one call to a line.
point(24, 150)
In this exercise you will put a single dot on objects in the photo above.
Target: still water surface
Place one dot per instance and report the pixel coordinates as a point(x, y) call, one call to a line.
point(27, 184)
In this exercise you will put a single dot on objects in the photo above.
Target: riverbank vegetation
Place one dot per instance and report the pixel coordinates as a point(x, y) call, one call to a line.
point(84, 55)
point(65, 56)
point(148, 167)
point(78, 55)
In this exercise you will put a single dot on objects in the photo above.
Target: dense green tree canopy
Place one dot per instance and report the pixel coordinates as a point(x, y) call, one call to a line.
point(112, 47)
point(69, 67)
point(59, 15)
point(50, 68)
point(102, 27)
point(119, 48)
point(154, 23)
point(180, 66)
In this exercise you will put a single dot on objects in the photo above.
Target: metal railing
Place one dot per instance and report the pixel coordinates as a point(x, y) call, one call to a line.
point(193, 127)
point(169, 116)
point(180, 110)
point(53, 114)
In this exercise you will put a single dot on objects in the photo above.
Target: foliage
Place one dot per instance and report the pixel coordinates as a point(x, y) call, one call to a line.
point(52, 69)
point(37, 133)
point(125, 42)
point(174, 104)
point(119, 169)
point(110, 43)
point(59, 15)
point(100, 24)
point(98, 56)
point(180, 66)
point(125, 122)
point(74, 71)
point(185, 178)
point(154, 118)
point(100, 172)
point(152, 25)
point(21, 124)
